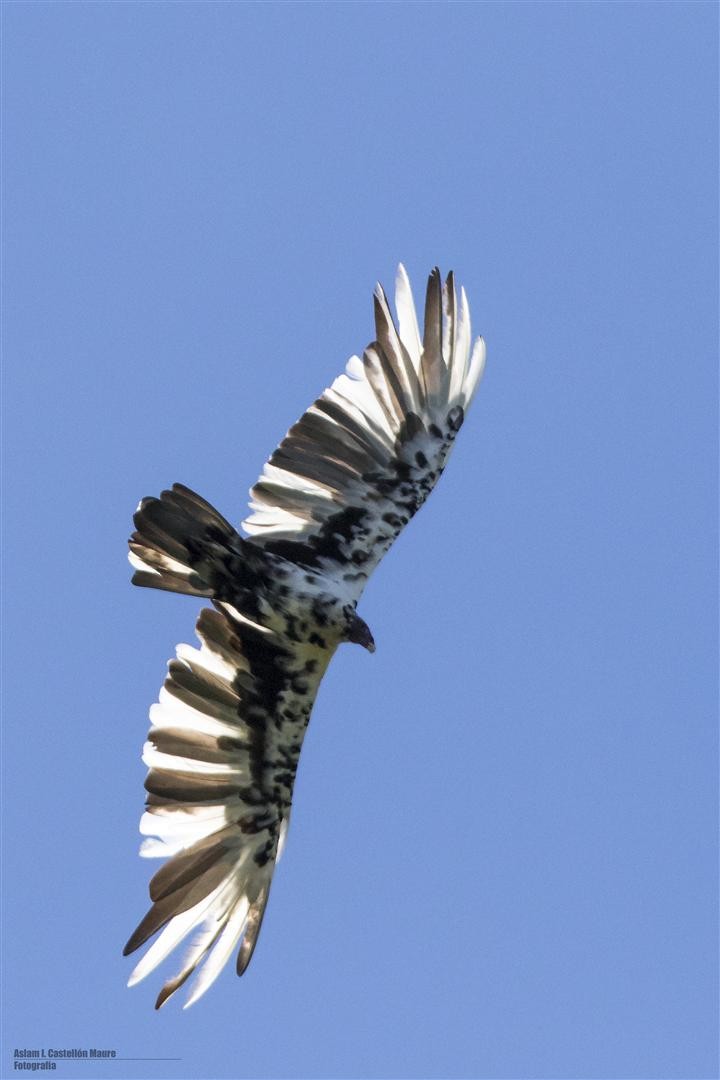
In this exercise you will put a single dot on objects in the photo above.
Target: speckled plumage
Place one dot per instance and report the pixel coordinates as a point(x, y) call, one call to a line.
point(226, 734)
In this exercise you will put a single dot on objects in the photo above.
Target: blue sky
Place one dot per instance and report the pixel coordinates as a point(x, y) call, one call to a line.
point(502, 860)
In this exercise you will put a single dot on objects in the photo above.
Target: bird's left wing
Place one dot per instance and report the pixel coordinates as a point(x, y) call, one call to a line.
point(224, 741)
point(360, 462)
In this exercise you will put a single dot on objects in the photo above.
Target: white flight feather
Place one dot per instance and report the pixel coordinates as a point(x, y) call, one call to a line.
point(209, 660)
point(157, 759)
point(407, 317)
point(139, 564)
point(475, 370)
point(239, 617)
point(167, 834)
point(226, 942)
point(360, 394)
point(377, 436)
point(449, 327)
point(170, 712)
point(173, 820)
point(178, 927)
point(294, 481)
point(460, 352)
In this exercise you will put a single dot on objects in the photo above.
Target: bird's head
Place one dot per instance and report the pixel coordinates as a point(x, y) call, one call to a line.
point(358, 632)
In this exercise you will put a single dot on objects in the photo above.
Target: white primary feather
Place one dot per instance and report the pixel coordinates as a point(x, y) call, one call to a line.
point(407, 316)
point(226, 942)
point(177, 929)
point(475, 369)
point(156, 759)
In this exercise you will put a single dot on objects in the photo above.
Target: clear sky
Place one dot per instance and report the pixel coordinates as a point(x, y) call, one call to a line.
point(502, 860)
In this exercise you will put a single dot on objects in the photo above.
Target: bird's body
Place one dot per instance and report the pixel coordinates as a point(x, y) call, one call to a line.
point(227, 732)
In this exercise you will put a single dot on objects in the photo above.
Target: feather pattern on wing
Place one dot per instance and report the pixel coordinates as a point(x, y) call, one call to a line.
point(354, 469)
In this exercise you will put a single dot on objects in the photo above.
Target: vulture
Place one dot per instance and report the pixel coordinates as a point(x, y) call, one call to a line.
point(226, 733)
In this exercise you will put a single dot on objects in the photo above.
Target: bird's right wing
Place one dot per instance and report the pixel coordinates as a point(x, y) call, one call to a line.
point(355, 468)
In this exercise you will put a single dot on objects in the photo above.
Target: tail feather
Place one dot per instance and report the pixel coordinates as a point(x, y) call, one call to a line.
point(176, 535)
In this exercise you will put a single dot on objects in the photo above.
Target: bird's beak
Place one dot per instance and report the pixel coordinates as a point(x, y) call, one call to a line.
point(359, 633)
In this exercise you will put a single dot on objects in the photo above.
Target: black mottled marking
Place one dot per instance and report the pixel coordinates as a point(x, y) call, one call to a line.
point(266, 667)
point(387, 485)
point(320, 612)
point(393, 520)
point(421, 459)
point(435, 431)
point(260, 689)
point(359, 576)
point(250, 796)
point(455, 418)
point(286, 758)
point(316, 639)
point(336, 530)
point(229, 745)
point(412, 426)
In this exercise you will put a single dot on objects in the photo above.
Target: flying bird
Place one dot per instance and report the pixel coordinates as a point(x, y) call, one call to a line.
point(226, 734)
